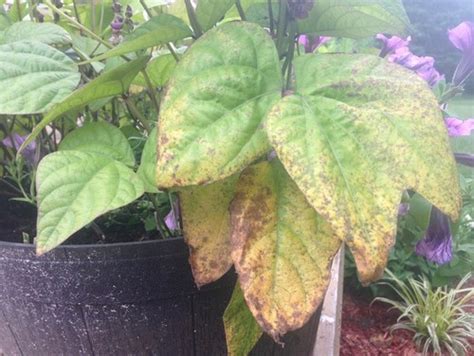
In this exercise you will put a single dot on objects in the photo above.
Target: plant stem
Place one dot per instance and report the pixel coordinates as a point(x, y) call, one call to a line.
point(76, 11)
point(136, 114)
point(30, 10)
point(270, 15)
point(291, 52)
point(92, 15)
point(18, 9)
point(193, 19)
point(240, 10)
point(150, 15)
point(281, 29)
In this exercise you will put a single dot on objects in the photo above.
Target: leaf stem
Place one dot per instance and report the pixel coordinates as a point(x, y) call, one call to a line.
point(281, 29)
point(270, 16)
point(193, 19)
point(168, 45)
point(288, 65)
point(76, 11)
point(18, 9)
point(136, 114)
point(240, 10)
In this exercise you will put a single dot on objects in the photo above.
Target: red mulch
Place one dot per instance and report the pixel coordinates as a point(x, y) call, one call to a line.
point(365, 330)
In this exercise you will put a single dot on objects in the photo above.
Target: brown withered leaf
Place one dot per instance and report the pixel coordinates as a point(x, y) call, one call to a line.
point(206, 222)
point(281, 248)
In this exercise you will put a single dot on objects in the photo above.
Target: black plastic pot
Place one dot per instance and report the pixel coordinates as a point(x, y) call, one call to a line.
point(117, 299)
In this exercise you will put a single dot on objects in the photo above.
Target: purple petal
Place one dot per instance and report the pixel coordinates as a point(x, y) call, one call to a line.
point(462, 37)
point(465, 159)
point(311, 43)
point(436, 246)
point(458, 127)
point(171, 220)
point(392, 44)
point(15, 141)
point(403, 209)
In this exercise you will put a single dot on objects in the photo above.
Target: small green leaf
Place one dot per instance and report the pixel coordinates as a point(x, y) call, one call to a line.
point(206, 222)
point(210, 124)
point(242, 332)
point(357, 133)
point(100, 138)
point(159, 70)
point(47, 33)
point(113, 82)
point(156, 31)
point(147, 169)
point(355, 18)
point(33, 77)
point(76, 187)
point(4, 20)
point(209, 12)
point(282, 249)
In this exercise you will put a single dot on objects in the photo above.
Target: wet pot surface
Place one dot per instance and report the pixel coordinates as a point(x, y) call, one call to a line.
point(119, 299)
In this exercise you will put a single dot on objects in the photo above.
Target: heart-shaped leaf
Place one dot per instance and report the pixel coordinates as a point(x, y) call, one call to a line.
point(206, 222)
point(76, 187)
point(210, 126)
point(47, 33)
point(357, 133)
point(33, 77)
point(158, 30)
point(242, 332)
point(355, 18)
point(281, 248)
point(100, 138)
point(113, 82)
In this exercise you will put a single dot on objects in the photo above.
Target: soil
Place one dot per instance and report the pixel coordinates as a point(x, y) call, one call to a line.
point(18, 224)
point(365, 330)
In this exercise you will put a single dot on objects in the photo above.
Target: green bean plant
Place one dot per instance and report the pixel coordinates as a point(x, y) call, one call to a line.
point(279, 155)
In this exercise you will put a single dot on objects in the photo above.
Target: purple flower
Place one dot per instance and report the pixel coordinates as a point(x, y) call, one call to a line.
point(436, 246)
point(311, 43)
point(458, 127)
point(15, 141)
point(299, 9)
point(171, 220)
point(423, 66)
point(462, 37)
point(465, 159)
point(392, 44)
point(403, 209)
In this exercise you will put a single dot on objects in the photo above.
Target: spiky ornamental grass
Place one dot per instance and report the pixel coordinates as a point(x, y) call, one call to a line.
point(439, 317)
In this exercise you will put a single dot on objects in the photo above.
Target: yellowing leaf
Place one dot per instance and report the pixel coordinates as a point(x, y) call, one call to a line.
point(281, 248)
point(206, 220)
point(241, 330)
point(221, 90)
point(357, 133)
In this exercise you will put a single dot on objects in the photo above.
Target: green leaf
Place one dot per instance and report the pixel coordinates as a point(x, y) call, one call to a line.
point(34, 76)
point(4, 20)
point(47, 33)
point(209, 12)
point(113, 82)
point(206, 222)
point(357, 133)
point(282, 250)
point(210, 125)
point(241, 330)
point(158, 30)
point(355, 18)
point(420, 211)
point(147, 169)
point(76, 187)
point(100, 138)
point(159, 70)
